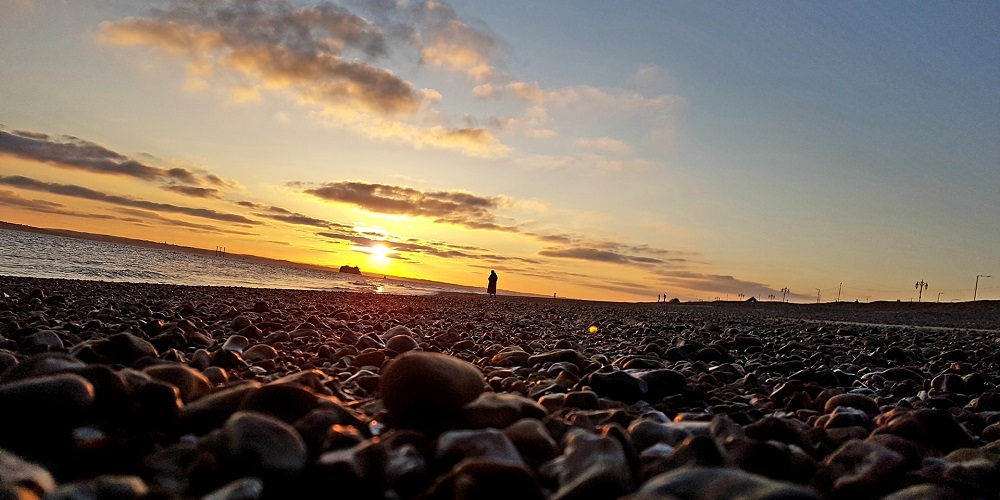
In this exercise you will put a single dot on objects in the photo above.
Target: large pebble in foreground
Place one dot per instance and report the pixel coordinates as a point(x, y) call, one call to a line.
point(427, 390)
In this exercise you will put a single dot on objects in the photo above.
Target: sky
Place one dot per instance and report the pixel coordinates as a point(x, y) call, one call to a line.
point(619, 151)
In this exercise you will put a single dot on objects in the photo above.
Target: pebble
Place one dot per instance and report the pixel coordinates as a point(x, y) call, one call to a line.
point(719, 483)
point(122, 390)
point(427, 390)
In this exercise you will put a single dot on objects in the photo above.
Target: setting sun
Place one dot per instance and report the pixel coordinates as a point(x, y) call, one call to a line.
point(380, 252)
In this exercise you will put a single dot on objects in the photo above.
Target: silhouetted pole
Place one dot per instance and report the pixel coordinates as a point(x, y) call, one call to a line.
point(974, 292)
point(839, 288)
point(817, 295)
point(939, 296)
point(921, 285)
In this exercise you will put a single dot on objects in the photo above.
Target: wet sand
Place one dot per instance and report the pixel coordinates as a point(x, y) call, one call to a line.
point(155, 391)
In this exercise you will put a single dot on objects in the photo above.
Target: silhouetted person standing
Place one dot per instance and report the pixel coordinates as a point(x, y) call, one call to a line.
point(492, 288)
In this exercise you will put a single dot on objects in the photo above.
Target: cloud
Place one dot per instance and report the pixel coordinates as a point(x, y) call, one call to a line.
point(194, 191)
point(90, 194)
point(13, 199)
point(322, 55)
point(145, 214)
point(603, 145)
point(453, 207)
point(597, 255)
point(73, 153)
point(719, 284)
point(456, 46)
point(299, 219)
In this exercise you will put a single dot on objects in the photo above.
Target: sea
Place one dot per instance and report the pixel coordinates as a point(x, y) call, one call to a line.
point(37, 255)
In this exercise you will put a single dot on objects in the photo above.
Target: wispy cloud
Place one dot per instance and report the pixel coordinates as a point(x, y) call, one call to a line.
point(598, 255)
point(194, 191)
point(323, 55)
point(10, 198)
point(73, 153)
point(457, 46)
point(85, 193)
point(153, 216)
point(452, 207)
point(288, 217)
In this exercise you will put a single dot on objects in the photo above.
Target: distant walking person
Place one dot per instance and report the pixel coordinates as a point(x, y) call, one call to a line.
point(492, 288)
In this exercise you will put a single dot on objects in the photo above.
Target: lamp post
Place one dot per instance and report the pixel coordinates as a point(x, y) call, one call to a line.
point(974, 292)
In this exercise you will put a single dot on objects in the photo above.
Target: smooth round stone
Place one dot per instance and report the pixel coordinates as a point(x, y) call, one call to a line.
point(259, 352)
point(209, 412)
point(401, 343)
point(859, 401)
point(35, 402)
point(618, 385)
point(44, 339)
point(16, 470)
point(594, 466)
point(191, 383)
point(245, 488)
point(120, 348)
point(227, 359)
point(405, 470)
point(925, 491)
point(486, 444)
point(476, 479)
point(371, 358)
point(396, 331)
point(261, 444)
point(585, 400)
point(934, 428)
point(533, 440)
point(240, 322)
point(287, 402)
point(216, 375)
point(499, 410)
point(859, 468)
point(719, 483)
point(100, 487)
point(236, 343)
point(558, 355)
point(646, 433)
point(428, 390)
point(663, 382)
point(42, 364)
point(510, 357)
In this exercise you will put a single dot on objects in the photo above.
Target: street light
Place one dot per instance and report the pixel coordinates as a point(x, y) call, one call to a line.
point(974, 292)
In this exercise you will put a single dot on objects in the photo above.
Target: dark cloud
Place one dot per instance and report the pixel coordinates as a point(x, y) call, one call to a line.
point(194, 191)
point(452, 207)
point(597, 255)
point(302, 220)
point(147, 215)
point(90, 194)
point(720, 284)
point(74, 153)
point(11, 198)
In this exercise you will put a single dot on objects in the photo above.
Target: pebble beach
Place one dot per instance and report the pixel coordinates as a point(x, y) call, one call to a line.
point(142, 391)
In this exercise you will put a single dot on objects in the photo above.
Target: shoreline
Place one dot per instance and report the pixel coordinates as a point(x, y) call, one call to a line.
point(177, 392)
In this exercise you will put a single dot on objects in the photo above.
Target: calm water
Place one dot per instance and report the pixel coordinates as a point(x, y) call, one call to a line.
point(45, 256)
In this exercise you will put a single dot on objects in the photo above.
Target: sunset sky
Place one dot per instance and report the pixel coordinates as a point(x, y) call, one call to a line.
point(597, 150)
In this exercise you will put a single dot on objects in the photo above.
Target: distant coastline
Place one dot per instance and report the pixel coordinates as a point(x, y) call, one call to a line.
point(206, 252)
